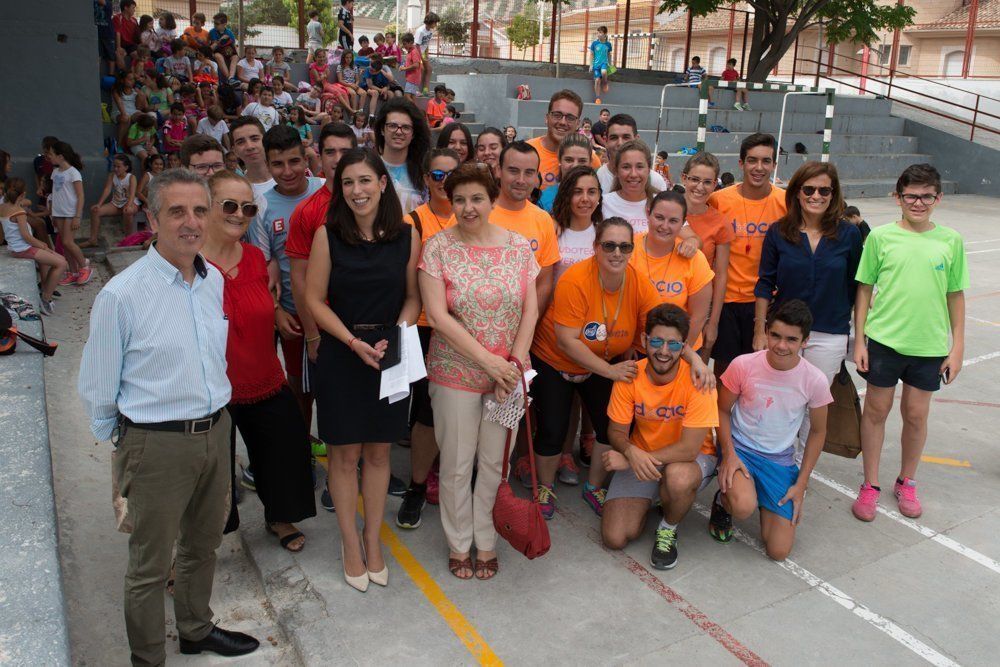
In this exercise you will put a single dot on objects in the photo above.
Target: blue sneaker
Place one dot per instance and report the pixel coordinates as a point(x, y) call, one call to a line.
point(326, 501)
point(594, 497)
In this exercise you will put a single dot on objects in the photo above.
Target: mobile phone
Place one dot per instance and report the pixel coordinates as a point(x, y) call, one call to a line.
point(945, 376)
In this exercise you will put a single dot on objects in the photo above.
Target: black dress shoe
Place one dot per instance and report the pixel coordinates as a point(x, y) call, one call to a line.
point(223, 642)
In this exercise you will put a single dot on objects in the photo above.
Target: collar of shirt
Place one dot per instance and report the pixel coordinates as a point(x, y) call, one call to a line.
point(171, 273)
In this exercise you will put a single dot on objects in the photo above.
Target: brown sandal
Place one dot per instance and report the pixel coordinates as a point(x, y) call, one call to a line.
point(456, 565)
point(486, 569)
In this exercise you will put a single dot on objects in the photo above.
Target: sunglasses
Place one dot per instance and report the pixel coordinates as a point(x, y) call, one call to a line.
point(810, 190)
point(672, 345)
point(610, 246)
point(437, 175)
point(229, 207)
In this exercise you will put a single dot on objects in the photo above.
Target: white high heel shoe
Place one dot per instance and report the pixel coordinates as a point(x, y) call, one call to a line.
point(359, 582)
point(381, 578)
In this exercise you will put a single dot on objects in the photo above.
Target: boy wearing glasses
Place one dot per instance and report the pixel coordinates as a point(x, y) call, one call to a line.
point(562, 119)
point(660, 432)
point(921, 274)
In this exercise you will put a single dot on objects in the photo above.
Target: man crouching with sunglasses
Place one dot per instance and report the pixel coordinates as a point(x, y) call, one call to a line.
point(661, 437)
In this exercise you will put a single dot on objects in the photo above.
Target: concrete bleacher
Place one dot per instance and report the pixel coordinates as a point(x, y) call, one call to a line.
point(869, 145)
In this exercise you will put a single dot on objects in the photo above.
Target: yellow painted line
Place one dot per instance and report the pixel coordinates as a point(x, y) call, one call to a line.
point(459, 624)
point(946, 461)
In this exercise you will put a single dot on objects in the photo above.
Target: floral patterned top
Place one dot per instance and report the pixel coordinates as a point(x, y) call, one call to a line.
point(485, 290)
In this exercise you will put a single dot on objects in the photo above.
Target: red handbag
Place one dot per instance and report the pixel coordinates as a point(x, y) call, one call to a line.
point(520, 520)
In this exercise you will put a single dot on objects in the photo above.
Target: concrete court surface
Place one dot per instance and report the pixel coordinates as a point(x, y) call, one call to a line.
point(893, 591)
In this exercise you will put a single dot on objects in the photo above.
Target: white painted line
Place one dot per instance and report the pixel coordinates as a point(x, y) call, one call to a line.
point(979, 252)
point(984, 241)
point(976, 319)
point(874, 619)
point(943, 540)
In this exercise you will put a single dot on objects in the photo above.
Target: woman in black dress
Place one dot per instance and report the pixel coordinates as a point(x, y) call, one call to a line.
point(361, 279)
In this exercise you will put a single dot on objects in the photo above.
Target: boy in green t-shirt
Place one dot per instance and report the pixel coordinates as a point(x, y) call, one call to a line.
point(920, 271)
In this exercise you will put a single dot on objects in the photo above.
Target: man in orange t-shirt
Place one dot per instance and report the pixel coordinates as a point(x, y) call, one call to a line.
point(562, 119)
point(661, 437)
point(750, 207)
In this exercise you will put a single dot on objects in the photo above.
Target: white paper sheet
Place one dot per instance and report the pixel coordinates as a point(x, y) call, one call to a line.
point(395, 381)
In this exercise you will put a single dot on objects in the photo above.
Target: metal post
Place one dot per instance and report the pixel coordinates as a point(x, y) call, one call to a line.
point(970, 35)
point(559, 42)
point(687, 42)
point(702, 108)
point(652, 38)
point(241, 35)
point(552, 31)
point(474, 45)
point(819, 52)
point(828, 126)
point(746, 31)
point(302, 22)
point(829, 60)
point(586, 32)
point(628, 19)
point(975, 115)
point(732, 24)
point(795, 59)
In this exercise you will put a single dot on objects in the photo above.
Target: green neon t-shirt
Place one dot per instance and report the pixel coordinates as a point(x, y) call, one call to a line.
point(913, 274)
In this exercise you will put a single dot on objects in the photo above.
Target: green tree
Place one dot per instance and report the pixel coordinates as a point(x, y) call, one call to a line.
point(777, 24)
point(454, 29)
point(326, 16)
point(523, 29)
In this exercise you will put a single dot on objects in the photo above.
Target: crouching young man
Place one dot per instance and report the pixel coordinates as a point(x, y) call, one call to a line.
point(660, 434)
point(762, 402)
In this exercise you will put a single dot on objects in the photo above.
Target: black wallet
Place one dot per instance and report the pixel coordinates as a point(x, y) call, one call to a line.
point(392, 352)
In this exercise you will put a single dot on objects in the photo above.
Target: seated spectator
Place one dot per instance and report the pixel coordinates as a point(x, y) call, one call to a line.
point(312, 105)
point(282, 99)
point(176, 64)
point(363, 133)
point(205, 69)
point(175, 129)
point(124, 96)
point(220, 34)
point(141, 140)
point(731, 74)
point(126, 32)
point(600, 128)
point(264, 110)
point(120, 188)
point(364, 50)
point(437, 107)
point(214, 125)
point(166, 31)
point(148, 36)
point(249, 68)
point(226, 58)
point(195, 34)
point(22, 244)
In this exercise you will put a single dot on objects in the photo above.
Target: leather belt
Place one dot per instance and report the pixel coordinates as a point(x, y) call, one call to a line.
point(187, 426)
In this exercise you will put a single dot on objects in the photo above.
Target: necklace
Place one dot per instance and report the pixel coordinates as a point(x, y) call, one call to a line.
point(746, 217)
point(649, 270)
point(608, 329)
point(441, 224)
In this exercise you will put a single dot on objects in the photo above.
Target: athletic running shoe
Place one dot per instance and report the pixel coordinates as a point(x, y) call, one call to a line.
point(326, 500)
point(746, 107)
point(522, 470)
point(568, 472)
point(433, 486)
point(664, 555)
point(318, 446)
point(396, 486)
point(69, 278)
point(711, 105)
point(84, 276)
point(247, 479)
point(547, 500)
point(587, 448)
point(720, 523)
point(866, 506)
point(47, 307)
point(594, 497)
point(906, 496)
point(408, 515)
point(738, 106)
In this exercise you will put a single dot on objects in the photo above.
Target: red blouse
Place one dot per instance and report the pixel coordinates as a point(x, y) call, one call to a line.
point(252, 360)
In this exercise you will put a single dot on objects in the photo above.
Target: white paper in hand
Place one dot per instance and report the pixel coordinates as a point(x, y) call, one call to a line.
point(395, 381)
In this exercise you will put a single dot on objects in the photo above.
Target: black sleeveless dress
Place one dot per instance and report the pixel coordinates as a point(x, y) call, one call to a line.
point(367, 287)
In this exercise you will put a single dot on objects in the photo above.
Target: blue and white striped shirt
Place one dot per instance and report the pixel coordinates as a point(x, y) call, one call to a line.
point(157, 347)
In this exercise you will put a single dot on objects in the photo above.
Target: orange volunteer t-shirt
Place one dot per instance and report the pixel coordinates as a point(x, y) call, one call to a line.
point(713, 231)
point(430, 224)
point(548, 166)
point(533, 224)
point(659, 413)
point(749, 220)
point(577, 304)
point(436, 110)
point(675, 278)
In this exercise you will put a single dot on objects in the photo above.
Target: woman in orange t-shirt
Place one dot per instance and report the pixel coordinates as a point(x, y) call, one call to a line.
point(682, 281)
point(700, 177)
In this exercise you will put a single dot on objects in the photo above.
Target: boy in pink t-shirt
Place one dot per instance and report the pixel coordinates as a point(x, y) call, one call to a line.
point(175, 129)
point(413, 67)
point(762, 401)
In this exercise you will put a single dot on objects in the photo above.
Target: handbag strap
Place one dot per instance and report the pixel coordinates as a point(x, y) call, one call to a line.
point(531, 444)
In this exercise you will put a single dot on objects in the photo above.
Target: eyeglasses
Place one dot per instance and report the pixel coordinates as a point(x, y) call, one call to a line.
point(810, 190)
point(925, 199)
point(437, 175)
point(559, 116)
point(610, 246)
point(209, 168)
point(229, 207)
point(396, 127)
point(705, 182)
point(672, 345)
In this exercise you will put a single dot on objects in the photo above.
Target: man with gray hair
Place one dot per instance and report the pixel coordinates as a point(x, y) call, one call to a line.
point(153, 380)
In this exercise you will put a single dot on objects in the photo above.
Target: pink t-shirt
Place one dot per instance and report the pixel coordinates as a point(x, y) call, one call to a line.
point(485, 289)
point(412, 57)
point(772, 404)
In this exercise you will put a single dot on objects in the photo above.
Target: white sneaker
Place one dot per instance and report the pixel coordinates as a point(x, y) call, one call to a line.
point(47, 307)
point(738, 106)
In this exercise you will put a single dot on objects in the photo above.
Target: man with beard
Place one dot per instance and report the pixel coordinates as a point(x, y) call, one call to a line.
point(661, 437)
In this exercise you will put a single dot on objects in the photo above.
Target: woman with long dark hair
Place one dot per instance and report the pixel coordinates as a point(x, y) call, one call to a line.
point(360, 284)
point(403, 138)
point(489, 144)
point(457, 137)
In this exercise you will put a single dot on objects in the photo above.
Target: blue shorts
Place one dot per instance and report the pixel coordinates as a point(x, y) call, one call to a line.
point(600, 70)
point(772, 481)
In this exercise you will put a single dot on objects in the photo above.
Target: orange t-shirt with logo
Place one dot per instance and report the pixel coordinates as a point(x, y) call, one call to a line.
point(713, 231)
point(533, 224)
point(749, 220)
point(659, 413)
point(577, 304)
point(675, 278)
point(548, 166)
point(430, 224)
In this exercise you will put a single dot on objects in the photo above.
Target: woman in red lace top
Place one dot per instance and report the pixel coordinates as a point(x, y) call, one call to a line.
point(262, 405)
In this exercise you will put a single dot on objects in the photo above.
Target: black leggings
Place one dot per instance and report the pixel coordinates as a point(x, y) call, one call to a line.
point(554, 400)
point(277, 441)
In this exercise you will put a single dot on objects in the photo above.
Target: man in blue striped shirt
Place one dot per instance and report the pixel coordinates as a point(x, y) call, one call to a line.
point(154, 371)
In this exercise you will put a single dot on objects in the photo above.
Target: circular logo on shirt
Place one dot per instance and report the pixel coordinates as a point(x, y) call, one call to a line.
point(591, 329)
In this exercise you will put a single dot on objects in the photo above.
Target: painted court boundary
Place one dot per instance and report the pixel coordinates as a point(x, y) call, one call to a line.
point(943, 540)
point(846, 601)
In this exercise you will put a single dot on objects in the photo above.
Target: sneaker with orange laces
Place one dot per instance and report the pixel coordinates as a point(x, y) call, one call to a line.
point(569, 474)
point(587, 448)
point(69, 278)
point(905, 491)
point(84, 276)
point(866, 506)
point(522, 470)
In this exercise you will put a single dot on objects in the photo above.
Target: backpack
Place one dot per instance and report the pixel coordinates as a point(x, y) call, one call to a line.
point(800, 148)
point(524, 92)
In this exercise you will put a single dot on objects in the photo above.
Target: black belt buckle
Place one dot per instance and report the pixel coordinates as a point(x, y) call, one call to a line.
point(199, 426)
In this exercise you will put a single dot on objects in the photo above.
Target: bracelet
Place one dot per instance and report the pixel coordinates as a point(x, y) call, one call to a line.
point(313, 339)
point(350, 343)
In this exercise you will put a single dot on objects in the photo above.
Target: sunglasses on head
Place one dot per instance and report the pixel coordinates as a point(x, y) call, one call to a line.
point(229, 207)
point(438, 175)
point(610, 246)
point(810, 190)
point(672, 345)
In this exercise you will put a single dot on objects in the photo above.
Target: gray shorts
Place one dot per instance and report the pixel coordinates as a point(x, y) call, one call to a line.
point(624, 483)
point(411, 88)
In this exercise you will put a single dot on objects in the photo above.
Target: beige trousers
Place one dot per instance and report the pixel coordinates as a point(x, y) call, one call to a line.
point(465, 439)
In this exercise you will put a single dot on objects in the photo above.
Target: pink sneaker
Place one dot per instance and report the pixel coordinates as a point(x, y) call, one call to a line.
point(433, 488)
point(906, 496)
point(84, 276)
point(522, 470)
point(865, 507)
point(69, 278)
